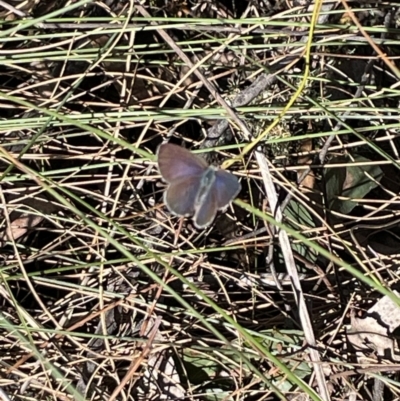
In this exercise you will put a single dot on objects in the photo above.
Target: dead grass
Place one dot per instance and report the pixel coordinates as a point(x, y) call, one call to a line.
point(107, 296)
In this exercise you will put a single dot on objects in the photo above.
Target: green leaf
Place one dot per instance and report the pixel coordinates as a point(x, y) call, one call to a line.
point(300, 218)
point(350, 181)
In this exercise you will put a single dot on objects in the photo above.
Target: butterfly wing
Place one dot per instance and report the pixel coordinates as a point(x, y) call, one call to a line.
point(180, 196)
point(226, 187)
point(176, 163)
point(206, 209)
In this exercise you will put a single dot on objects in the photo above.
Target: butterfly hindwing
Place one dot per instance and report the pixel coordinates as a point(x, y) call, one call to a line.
point(180, 196)
point(226, 187)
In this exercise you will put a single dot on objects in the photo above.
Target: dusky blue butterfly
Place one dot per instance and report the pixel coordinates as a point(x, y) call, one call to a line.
point(195, 188)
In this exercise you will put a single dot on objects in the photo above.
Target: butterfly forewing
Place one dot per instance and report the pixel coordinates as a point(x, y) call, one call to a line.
point(206, 183)
point(176, 163)
point(206, 210)
point(226, 187)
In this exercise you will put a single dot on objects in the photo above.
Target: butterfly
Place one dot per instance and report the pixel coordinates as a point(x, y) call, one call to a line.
point(195, 188)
